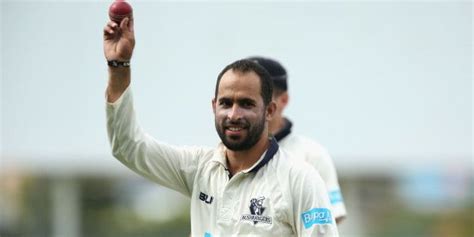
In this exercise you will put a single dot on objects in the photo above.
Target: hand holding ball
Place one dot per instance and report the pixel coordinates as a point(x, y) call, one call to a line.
point(119, 10)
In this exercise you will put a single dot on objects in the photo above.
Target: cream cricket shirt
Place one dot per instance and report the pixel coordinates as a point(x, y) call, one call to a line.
point(316, 155)
point(275, 197)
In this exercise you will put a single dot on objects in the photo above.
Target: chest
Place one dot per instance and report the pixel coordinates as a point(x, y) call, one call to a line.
point(247, 203)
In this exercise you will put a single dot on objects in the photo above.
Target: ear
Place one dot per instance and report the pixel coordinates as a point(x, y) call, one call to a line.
point(284, 98)
point(270, 110)
point(214, 105)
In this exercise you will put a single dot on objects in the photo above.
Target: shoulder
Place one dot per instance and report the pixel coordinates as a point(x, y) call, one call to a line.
point(296, 141)
point(284, 161)
point(305, 143)
point(194, 151)
point(209, 157)
point(190, 158)
point(202, 153)
point(294, 171)
point(298, 180)
point(306, 148)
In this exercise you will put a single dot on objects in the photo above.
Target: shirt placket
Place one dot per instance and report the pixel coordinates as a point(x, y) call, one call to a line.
point(228, 202)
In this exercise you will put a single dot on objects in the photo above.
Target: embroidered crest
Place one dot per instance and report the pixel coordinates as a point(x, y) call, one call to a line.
point(256, 206)
point(256, 212)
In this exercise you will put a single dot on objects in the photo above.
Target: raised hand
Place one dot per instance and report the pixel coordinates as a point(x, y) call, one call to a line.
point(119, 40)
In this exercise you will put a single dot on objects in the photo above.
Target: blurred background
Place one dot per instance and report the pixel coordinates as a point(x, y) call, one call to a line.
point(386, 86)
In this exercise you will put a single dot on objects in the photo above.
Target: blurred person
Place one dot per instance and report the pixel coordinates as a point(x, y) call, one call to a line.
point(310, 150)
point(245, 186)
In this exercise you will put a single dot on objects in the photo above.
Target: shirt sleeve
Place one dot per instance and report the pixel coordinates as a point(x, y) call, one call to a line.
point(330, 178)
point(311, 206)
point(321, 160)
point(171, 166)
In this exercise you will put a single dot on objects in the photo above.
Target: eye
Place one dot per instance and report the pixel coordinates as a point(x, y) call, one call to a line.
point(225, 103)
point(247, 103)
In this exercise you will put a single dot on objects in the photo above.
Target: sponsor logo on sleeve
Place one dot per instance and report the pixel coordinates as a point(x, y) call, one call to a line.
point(335, 196)
point(316, 216)
point(256, 210)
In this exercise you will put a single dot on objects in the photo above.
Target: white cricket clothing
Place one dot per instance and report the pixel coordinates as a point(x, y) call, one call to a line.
point(275, 197)
point(316, 155)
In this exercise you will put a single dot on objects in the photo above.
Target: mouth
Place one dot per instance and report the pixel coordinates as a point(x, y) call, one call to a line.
point(234, 131)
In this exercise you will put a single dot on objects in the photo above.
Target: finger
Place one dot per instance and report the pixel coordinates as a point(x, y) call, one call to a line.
point(112, 24)
point(108, 30)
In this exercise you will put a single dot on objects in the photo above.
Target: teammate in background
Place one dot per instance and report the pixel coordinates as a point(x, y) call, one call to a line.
point(246, 186)
point(313, 152)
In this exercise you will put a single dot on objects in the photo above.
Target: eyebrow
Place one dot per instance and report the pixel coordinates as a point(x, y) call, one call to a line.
point(247, 100)
point(241, 100)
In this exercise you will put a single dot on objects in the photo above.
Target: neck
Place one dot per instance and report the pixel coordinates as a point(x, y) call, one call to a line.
point(277, 124)
point(242, 160)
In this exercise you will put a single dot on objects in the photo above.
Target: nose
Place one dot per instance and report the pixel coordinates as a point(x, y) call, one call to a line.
point(235, 113)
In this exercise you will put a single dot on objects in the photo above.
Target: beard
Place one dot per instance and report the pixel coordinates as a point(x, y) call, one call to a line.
point(232, 142)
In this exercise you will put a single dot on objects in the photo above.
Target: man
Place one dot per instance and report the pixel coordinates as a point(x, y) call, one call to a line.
point(245, 186)
point(312, 152)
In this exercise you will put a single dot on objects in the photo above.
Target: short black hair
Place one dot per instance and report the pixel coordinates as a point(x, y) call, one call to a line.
point(276, 70)
point(245, 65)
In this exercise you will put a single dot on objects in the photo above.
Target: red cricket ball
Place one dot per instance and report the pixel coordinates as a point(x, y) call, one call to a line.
point(119, 10)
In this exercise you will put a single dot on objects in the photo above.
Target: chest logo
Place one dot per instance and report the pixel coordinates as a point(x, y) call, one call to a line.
point(205, 198)
point(256, 212)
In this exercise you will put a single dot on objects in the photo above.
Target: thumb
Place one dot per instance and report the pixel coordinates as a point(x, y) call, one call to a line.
point(124, 25)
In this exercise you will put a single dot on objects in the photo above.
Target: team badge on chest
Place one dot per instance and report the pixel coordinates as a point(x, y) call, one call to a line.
point(256, 212)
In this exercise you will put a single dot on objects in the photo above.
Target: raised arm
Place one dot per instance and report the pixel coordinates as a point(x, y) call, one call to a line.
point(171, 166)
point(119, 42)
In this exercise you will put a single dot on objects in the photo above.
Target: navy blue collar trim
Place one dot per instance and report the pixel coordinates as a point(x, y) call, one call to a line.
point(272, 149)
point(285, 131)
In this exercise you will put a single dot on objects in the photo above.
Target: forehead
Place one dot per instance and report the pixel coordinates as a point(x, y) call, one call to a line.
point(236, 84)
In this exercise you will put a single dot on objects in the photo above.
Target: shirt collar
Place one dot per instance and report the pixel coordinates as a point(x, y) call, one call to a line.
point(267, 156)
point(220, 157)
point(285, 131)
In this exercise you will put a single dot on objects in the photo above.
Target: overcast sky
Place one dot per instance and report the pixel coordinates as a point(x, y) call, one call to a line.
point(379, 84)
